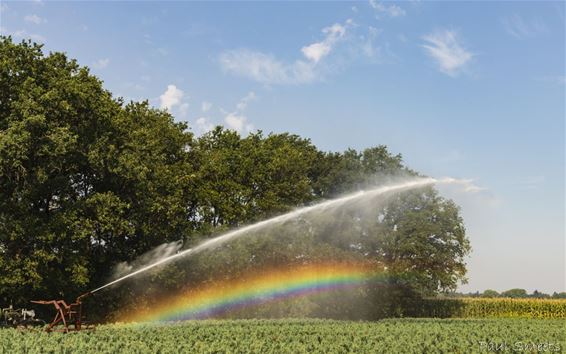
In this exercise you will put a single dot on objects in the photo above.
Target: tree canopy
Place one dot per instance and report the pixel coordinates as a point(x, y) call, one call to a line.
point(88, 181)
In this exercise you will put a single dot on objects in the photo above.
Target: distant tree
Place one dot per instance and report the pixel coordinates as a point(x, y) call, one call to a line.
point(424, 239)
point(539, 295)
point(515, 293)
point(561, 295)
point(490, 293)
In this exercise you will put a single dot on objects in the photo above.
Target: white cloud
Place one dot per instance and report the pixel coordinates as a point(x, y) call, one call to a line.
point(34, 19)
point(316, 51)
point(519, 28)
point(203, 125)
point(390, 10)
point(206, 106)
point(267, 69)
point(237, 120)
point(243, 104)
point(101, 63)
point(444, 47)
point(171, 97)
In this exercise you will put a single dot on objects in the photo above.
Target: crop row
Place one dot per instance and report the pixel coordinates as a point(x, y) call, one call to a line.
point(300, 336)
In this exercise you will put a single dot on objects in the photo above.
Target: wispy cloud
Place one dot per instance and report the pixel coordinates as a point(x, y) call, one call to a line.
point(101, 63)
point(267, 69)
point(445, 48)
point(34, 19)
point(236, 119)
point(390, 10)
point(520, 28)
point(318, 50)
point(368, 46)
point(22, 34)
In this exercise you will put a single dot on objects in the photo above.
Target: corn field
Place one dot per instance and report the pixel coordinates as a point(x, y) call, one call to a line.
point(492, 308)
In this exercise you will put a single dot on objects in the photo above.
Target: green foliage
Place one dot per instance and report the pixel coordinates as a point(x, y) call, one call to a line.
point(293, 336)
point(490, 293)
point(84, 180)
point(515, 293)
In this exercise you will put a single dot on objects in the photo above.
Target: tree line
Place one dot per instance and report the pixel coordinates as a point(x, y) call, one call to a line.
point(88, 180)
point(515, 293)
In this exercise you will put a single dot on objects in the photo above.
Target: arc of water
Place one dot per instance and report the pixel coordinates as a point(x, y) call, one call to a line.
point(277, 219)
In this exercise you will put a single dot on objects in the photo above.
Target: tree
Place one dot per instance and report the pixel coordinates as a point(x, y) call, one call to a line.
point(515, 293)
point(539, 295)
point(490, 293)
point(85, 181)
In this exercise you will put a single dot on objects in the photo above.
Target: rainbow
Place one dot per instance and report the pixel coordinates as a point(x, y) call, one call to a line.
point(268, 285)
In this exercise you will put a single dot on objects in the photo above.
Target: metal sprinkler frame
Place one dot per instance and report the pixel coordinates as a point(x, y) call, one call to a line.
point(68, 317)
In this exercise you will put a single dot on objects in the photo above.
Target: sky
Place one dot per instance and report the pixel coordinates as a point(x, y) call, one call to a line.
point(472, 90)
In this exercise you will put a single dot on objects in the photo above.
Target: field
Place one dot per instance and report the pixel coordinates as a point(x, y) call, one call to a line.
point(492, 308)
point(301, 336)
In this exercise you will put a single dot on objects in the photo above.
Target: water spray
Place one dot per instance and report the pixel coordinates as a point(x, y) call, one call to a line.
point(69, 317)
point(420, 182)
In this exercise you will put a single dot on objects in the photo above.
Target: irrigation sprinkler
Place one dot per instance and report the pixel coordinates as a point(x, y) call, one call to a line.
point(68, 317)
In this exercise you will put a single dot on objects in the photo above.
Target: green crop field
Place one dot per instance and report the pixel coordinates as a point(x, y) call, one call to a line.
point(301, 336)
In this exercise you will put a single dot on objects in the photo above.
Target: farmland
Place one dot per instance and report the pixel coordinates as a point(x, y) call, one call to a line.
point(491, 308)
point(300, 336)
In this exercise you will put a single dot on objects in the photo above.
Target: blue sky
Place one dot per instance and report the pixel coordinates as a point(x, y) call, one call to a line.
point(471, 90)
